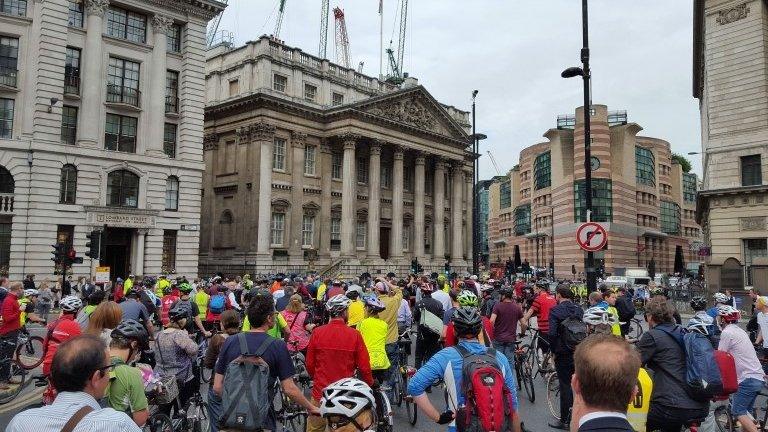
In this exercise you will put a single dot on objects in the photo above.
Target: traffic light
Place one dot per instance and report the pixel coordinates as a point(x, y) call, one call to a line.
point(59, 252)
point(93, 244)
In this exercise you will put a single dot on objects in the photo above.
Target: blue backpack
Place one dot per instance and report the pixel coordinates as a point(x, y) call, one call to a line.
point(702, 376)
point(218, 303)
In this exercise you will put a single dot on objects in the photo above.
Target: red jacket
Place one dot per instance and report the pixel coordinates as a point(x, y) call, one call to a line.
point(11, 314)
point(450, 336)
point(61, 330)
point(336, 351)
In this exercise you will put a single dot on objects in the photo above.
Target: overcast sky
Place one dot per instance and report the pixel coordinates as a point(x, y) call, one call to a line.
point(513, 53)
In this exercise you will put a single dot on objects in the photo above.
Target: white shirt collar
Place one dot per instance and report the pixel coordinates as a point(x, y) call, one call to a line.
point(599, 414)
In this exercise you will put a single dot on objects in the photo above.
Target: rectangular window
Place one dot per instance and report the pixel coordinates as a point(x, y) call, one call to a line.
point(307, 230)
point(5, 245)
point(6, 118)
point(171, 91)
point(169, 251)
point(72, 71)
point(123, 81)
point(645, 166)
point(505, 194)
point(169, 140)
point(9, 59)
point(173, 39)
point(335, 233)
point(69, 124)
point(172, 194)
point(310, 92)
point(234, 87)
point(120, 133)
point(542, 171)
point(429, 183)
point(279, 83)
point(309, 159)
point(278, 155)
point(76, 13)
point(362, 170)
point(337, 162)
point(602, 201)
point(670, 217)
point(278, 229)
point(751, 174)
point(523, 219)
point(13, 7)
point(753, 248)
point(406, 237)
point(68, 185)
point(408, 180)
point(64, 234)
point(338, 99)
point(689, 187)
point(126, 24)
point(386, 177)
point(362, 230)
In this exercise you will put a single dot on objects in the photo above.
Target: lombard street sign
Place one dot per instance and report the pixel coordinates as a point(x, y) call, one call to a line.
point(121, 217)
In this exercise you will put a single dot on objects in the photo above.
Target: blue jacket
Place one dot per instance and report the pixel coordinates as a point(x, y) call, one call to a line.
point(446, 365)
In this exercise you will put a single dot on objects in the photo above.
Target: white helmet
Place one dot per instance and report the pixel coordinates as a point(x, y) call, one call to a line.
point(721, 298)
point(698, 325)
point(597, 315)
point(347, 397)
point(337, 304)
point(71, 304)
point(31, 292)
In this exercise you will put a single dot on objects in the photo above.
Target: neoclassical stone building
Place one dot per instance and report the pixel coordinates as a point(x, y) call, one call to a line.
point(309, 164)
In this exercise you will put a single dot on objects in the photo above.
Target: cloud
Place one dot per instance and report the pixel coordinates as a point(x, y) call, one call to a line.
point(513, 53)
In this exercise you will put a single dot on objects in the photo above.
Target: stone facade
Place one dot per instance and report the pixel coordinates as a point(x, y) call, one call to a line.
point(311, 165)
point(534, 207)
point(730, 80)
point(102, 126)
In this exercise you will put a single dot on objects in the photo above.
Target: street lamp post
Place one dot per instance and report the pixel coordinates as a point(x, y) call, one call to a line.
point(585, 73)
point(476, 137)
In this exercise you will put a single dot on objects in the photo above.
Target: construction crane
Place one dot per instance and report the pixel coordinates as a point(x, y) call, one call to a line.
point(396, 63)
point(213, 27)
point(493, 161)
point(321, 52)
point(342, 38)
point(279, 23)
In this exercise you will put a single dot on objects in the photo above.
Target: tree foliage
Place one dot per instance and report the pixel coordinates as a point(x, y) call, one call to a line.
point(683, 161)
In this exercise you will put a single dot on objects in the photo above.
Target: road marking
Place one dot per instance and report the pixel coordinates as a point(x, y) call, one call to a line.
point(35, 395)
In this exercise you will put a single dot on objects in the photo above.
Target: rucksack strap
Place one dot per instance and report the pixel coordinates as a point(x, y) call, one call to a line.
point(76, 418)
point(260, 351)
point(463, 352)
point(243, 343)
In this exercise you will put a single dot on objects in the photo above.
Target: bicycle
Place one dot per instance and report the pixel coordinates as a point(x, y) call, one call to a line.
point(524, 369)
point(635, 329)
point(193, 417)
point(302, 377)
point(553, 395)
point(16, 370)
point(289, 414)
point(400, 382)
point(384, 414)
point(30, 350)
point(205, 373)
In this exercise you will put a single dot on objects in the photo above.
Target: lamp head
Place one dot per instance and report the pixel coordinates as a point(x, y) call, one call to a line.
point(474, 94)
point(572, 72)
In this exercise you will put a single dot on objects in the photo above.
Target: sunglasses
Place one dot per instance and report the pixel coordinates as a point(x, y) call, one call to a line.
point(105, 369)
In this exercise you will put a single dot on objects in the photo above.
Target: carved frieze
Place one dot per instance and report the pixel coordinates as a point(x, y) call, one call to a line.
point(732, 14)
point(757, 223)
point(96, 7)
point(262, 131)
point(244, 134)
point(298, 139)
point(211, 142)
point(161, 23)
point(408, 111)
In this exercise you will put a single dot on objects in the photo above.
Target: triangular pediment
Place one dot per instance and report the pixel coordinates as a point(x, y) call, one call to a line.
point(413, 107)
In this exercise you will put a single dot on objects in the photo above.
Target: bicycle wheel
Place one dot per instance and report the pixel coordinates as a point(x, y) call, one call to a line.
point(527, 376)
point(158, 423)
point(19, 375)
point(412, 410)
point(635, 329)
point(397, 389)
point(30, 354)
point(296, 422)
point(553, 395)
point(197, 412)
point(723, 419)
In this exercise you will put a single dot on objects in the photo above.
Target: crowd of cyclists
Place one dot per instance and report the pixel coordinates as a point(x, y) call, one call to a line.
point(167, 337)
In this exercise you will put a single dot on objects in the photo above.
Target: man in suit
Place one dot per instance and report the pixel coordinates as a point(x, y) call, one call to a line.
point(604, 382)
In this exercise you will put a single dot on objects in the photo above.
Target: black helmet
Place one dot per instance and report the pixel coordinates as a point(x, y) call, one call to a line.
point(132, 330)
point(698, 303)
point(466, 320)
point(178, 312)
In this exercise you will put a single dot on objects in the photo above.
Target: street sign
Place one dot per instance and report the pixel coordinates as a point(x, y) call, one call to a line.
point(591, 236)
point(102, 274)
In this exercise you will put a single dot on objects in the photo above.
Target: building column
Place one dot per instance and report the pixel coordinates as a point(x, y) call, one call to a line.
point(457, 236)
point(296, 216)
point(156, 96)
point(374, 199)
point(348, 196)
point(141, 235)
point(470, 219)
point(418, 208)
point(396, 250)
point(438, 249)
point(91, 83)
point(324, 226)
point(264, 135)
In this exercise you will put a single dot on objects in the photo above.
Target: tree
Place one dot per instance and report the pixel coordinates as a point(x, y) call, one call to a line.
point(683, 161)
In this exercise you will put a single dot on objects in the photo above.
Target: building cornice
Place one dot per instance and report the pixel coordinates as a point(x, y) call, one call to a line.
point(206, 9)
point(703, 196)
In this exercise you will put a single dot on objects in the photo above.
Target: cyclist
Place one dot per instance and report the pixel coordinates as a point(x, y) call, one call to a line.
point(84, 316)
point(564, 365)
point(348, 405)
point(280, 326)
point(485, 336)
point(610, 300)
point(447, 365)
point(427, 336)
point(335, 351)
point(356, 308)
point(599, 320)
point(126, 388)
point(230, 325)
point(27, 306)
point(169, 298)
point(699, 306)
point(135, 310)
point(542, 304)
point(735, 340)
point(505, 317)
point(374, 332)
point(193, 323)
point(175, 354)
point(61, 330)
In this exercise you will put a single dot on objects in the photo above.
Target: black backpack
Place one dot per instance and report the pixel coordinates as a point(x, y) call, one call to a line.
point(572, 331)
point(625, 308)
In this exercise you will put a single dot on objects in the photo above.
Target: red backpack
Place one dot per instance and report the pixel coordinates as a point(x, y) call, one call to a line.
point(165, 306)
point(487, 400)
point(727, 365)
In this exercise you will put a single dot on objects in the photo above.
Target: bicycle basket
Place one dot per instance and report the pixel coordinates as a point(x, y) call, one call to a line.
point(168, 390)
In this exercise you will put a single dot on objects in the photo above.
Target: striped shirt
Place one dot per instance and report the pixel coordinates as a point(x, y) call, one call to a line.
point(53, 417)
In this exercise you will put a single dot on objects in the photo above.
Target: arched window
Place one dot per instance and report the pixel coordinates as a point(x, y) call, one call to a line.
point(6, 181)
point(68, 188)
point(172, 193)
point(122, 189)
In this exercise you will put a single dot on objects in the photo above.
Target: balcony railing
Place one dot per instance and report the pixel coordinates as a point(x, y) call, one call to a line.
point(72, 84)
point(6, 204)
point(122, 94)
point(8, 76)
point(172, 104)
point(566, 122)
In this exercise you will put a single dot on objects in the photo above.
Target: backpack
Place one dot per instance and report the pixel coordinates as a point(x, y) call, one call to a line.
point(165, 307)
point(487, 400)
point(626, 309)
point(702, 373)
point(218, 303)
point(246, 399)
point(573, 331)
point(727, 366)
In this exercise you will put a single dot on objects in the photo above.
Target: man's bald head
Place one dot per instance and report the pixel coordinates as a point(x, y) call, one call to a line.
point(606, 370)
point(75, 362)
